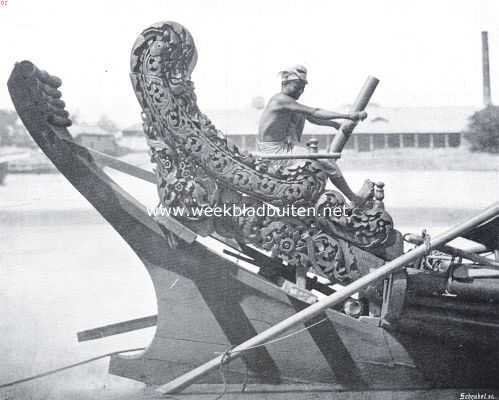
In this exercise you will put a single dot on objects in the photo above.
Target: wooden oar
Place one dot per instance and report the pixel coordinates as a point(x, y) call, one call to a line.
point(308, 156)
point(311, 311)
point(343, 134)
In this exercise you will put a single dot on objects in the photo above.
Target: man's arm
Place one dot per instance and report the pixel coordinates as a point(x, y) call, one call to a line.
point(323, 122)
point(288, 103)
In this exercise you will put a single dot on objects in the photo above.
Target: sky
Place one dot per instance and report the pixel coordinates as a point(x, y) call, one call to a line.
point(425, 52)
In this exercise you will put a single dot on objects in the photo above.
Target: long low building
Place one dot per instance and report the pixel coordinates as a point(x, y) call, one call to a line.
point(385, 127)
point(95, 138)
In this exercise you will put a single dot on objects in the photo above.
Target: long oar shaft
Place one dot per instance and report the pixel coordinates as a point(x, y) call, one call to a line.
point(341, 138)
point(311, 311)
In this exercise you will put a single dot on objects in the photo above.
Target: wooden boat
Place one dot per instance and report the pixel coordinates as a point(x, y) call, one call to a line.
point(431, 324)
point(3, 171)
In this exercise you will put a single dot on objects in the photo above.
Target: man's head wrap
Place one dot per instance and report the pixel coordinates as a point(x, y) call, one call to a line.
point(295, 72)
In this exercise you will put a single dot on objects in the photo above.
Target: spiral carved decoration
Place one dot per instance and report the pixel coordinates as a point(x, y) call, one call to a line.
point(196, 167)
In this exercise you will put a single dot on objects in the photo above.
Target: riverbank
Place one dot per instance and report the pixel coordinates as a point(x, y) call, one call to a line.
point(420, 159)
point(398, 160)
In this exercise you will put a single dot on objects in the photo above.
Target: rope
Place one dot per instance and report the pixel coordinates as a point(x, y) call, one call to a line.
point(427, 241)
point(54, 371)
point(226, 355)
point(281, 338)
point(244, 386)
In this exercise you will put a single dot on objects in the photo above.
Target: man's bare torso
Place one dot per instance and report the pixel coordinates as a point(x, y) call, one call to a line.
point(280, 125)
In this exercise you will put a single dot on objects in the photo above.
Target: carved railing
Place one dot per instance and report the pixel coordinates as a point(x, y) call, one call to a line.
point(197, 168)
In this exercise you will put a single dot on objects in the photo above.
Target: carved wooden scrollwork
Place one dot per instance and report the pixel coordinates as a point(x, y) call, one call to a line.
point(197, 168)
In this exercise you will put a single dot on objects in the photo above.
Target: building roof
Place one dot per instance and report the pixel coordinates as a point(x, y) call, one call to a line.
point(380, 120)
point(416, 120)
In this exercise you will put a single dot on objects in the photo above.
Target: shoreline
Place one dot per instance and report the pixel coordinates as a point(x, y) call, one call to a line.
point(420, 160)
point(403, 159)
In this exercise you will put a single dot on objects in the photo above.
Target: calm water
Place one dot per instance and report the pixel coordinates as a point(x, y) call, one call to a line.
point(64, 270)
point(444, 189)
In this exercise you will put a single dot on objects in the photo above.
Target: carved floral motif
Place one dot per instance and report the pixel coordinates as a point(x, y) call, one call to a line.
point(196, 167)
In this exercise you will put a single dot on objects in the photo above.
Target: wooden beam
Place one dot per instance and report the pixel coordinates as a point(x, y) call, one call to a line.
point(304, 156)
point(321, 305)
point(415, 239)
point(114, 163)
point(479, 248)
point(166, 221)
point(116, 329)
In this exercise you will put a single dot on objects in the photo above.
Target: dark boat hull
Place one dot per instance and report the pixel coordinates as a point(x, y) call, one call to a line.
point(206, 303)
point(3, 171)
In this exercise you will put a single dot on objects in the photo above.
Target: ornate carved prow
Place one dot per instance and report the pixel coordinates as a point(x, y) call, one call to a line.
point(198, 170)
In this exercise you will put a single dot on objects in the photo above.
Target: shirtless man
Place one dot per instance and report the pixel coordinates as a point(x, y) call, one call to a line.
point(281, 126)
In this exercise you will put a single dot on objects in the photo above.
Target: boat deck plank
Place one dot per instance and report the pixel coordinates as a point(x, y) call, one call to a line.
point(305, 392)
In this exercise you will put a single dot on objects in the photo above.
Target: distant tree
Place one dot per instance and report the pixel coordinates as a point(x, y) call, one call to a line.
point(7, 126)
point(258, 102)
point(107, 124)
point(483, 130)
point(12, 131)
